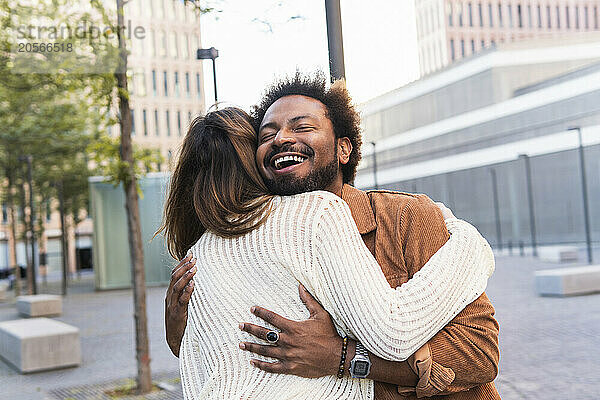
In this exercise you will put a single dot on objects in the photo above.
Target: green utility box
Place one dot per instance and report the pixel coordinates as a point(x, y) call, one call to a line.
point(111, 246)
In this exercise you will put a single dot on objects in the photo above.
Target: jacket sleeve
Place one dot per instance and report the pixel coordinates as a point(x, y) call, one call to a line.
point(467, 348)
point(394, 323)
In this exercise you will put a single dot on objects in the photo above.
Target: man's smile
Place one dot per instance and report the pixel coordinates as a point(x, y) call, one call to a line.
point(283, 163)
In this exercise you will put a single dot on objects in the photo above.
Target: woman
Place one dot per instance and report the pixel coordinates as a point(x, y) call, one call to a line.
point(254, 248)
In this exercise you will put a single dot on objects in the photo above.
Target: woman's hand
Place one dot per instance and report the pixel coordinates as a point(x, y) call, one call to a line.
point(176, 302)
point(446, 212)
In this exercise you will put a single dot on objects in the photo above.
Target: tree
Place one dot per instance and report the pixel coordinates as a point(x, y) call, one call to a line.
point(136, 250)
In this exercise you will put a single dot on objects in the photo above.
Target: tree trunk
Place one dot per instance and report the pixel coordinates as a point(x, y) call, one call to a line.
point(133, 217)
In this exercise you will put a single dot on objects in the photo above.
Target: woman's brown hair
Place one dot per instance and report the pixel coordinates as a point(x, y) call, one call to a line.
point(216, 184)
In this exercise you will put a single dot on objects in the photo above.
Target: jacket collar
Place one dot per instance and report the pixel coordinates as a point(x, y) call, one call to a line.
point(360, 208)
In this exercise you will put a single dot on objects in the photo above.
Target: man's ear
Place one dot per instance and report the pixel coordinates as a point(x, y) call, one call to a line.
point(344, 150)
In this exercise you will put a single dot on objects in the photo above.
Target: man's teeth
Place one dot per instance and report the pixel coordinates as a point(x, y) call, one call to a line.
point(283, 159)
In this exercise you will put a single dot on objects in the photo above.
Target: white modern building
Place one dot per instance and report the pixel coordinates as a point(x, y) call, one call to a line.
point(490, 133)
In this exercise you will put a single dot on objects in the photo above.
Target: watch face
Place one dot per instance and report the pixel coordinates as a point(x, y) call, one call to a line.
point(361, 368)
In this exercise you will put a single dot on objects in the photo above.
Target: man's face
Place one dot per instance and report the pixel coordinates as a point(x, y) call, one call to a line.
point(297, 147)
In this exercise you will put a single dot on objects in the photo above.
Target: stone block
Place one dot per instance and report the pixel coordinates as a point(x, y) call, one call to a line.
point(3, 290)
point(558, 254)
point(39, 344)
point(39, 305)
point(568, 281)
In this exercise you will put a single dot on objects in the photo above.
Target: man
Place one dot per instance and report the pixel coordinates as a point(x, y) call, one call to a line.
point(319, 128)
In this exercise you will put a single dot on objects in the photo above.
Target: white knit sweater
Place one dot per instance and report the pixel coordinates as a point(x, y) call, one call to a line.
point(312, 239)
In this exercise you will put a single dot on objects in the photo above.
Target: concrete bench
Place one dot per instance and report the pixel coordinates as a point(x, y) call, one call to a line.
point(558, 254)
point(38, 344)
point(3, 290)
point(39, 305)
point(568, 281)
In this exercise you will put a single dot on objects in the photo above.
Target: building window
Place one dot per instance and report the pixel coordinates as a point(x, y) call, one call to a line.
point(162, 44)
point(462, 47)
point(482, 44)
point(185, 47)
point(490, 15)
point(519, 16)
point(156, 125)
point(145, 122)
point(140, 82)
point(4, 213)
point(450, 14)
point(160, 8)
point(549, 16)
point(177, 84)
point(558, 17)
point(472, 46)
point(586, 16)
point(452, 53)
point(166, 83)
point(510, 16)
point(154, 91)
point(595, 17)
point(187, 84)
point(470, 7)
point(480, 8)
point(529, 17)
point(460, 15)
point(168, 121)
point(198, 89)
point(500, 15)
point(539, 12)
point(151, 44)
point(173, 44)
point(568, 17)
point(132, 123)
point(179, 123)
point(576, 17)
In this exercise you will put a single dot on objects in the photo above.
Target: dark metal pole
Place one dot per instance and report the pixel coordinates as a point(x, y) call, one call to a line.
point(496, 207)
point(584, 193)
point(374, 166)
point(335, 40)
point(31, 221)
point(215, 80)
point(530, 200)
point(61, 201)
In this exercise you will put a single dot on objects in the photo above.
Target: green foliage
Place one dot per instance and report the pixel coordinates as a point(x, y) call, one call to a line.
point(51, 112)
point(104, 152)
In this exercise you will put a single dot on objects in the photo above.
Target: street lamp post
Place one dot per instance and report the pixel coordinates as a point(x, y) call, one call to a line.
point(525, 158)
point(210, 54)
point(374, 166)
point(29, 159)
point(335, 41)
point(584, 194)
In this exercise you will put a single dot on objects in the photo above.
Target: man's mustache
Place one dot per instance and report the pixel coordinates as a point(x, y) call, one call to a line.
point(302, 149)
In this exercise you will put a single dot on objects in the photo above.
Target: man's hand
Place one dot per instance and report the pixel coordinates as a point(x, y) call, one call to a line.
point(310, 348)
point(176, 302)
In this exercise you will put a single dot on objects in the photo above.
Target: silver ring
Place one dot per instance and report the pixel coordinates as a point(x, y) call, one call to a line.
point(272, 337)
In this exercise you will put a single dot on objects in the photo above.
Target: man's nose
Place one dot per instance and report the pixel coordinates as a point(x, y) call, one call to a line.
point(284, 136)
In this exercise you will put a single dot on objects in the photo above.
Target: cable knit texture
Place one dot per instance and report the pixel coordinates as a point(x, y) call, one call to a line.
point(312, 239)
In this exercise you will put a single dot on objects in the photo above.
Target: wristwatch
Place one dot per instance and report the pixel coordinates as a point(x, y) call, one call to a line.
point(360, 366)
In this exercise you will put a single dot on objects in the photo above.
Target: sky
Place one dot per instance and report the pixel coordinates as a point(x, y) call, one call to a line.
point(261, 39)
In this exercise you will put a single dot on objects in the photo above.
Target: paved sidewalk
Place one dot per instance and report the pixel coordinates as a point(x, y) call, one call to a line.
point(550, 347)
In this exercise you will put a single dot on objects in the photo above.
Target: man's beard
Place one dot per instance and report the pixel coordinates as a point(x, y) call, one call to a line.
point(317, 179)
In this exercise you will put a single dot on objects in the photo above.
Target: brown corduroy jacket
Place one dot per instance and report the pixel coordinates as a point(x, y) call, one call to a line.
point(403, 231)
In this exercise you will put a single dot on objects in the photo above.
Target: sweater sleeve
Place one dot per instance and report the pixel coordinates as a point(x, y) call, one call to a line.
point(393, 323)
